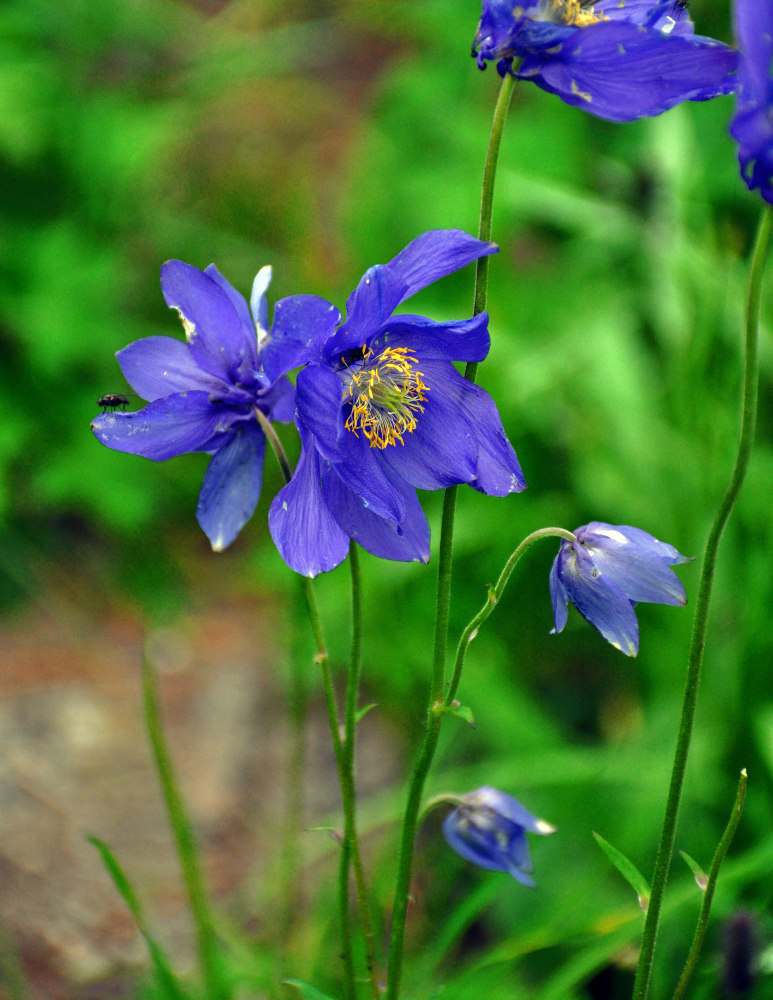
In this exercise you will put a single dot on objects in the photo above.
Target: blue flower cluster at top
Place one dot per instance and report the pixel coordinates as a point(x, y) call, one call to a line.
point(379, 405)
point(617, 59)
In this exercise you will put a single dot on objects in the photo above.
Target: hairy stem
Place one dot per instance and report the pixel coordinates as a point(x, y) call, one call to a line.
point(700, 625)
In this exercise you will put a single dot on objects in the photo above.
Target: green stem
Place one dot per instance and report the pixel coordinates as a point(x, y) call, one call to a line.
point(322, 659)
point(434, 717)
point(298, 710)
point(708, 893)
point(698, 640)
point(184, 839)
point(494, 594)
point(348, 793)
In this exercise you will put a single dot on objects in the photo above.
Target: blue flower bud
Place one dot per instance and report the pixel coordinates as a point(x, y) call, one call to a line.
point(489, 829)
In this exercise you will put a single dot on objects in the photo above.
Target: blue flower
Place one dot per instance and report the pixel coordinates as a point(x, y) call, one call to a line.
point(203, 394)
point(617, 59)
point(752, 126)
point(382, 411)
point(605, 571)
point(489, 829)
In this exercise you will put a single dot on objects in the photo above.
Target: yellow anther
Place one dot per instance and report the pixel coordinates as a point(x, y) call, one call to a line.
point(386, 394)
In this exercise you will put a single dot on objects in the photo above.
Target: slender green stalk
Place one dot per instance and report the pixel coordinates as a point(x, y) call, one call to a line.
point(708, 893)
point(184, 839)
point(698, 640)
point(298, 709)
point(434, 717)
point(348, 793)
point(494, 594)
point(322, 659)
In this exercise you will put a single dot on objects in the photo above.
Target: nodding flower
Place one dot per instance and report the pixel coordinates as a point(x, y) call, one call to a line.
point(489, 828)
point(605, 571)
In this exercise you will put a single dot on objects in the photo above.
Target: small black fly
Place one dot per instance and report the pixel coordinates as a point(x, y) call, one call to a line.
point(114, 401)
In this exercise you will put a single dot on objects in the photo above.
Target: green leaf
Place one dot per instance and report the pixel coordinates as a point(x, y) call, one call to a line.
point(166, 978)
point(364, 711)
point(306, 990)
point(463, 712)
point(627, 869)
point(700, 875)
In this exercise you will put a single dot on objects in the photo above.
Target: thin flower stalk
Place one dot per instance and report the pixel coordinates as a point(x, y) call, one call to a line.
point(708, 893)
point(185, 841)
point(445, 555)
point(495, 593)
point(698, 640)
point(351, 840)
point(343, 748)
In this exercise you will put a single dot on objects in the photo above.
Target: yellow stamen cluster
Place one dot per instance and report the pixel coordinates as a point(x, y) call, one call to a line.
point(572, 12)
point(386, 392)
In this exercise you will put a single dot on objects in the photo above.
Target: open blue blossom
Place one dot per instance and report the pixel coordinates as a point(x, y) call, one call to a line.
point(490, 829)
point(382, 412)
point(617, 59)
point(752, 126)
point(204, 393)
point(606, 571)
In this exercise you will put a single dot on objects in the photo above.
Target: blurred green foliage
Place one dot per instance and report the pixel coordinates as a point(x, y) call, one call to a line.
point(322, 137)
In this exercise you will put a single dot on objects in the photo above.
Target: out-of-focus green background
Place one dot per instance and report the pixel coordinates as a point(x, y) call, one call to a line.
point(321, 137)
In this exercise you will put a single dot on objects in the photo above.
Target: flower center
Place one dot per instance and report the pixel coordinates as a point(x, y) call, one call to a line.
point(386, 391)
point(575, 13)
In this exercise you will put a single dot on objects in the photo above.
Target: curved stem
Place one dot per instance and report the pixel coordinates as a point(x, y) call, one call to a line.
point(708, 893)
point(433, 718)
point(184, 838)
point(494, 594)
point(698, 640)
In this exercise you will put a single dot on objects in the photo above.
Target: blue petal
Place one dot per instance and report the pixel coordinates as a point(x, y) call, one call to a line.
point(479, 847)
point(406, 542)
point(373, 301)
point(361, 468)
point(752, 127)
point(302, 325)
point(442, 451)
point(435, 254)
point(598, 599)
point(559, 598)
point(249, 363)
point(231, 487)
point(166, 427)
point(635, 562)
point(318, 396)
point(465, 340)
point(620, 71)
point(280, 399)
point(218, 341)
point(307, 535)
point(159, 366)
point(497, 470)
point(508, 807)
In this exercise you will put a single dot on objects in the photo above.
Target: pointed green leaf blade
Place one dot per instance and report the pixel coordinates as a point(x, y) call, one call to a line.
point(627, 869)
point(306, 990)
point(700, 875)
